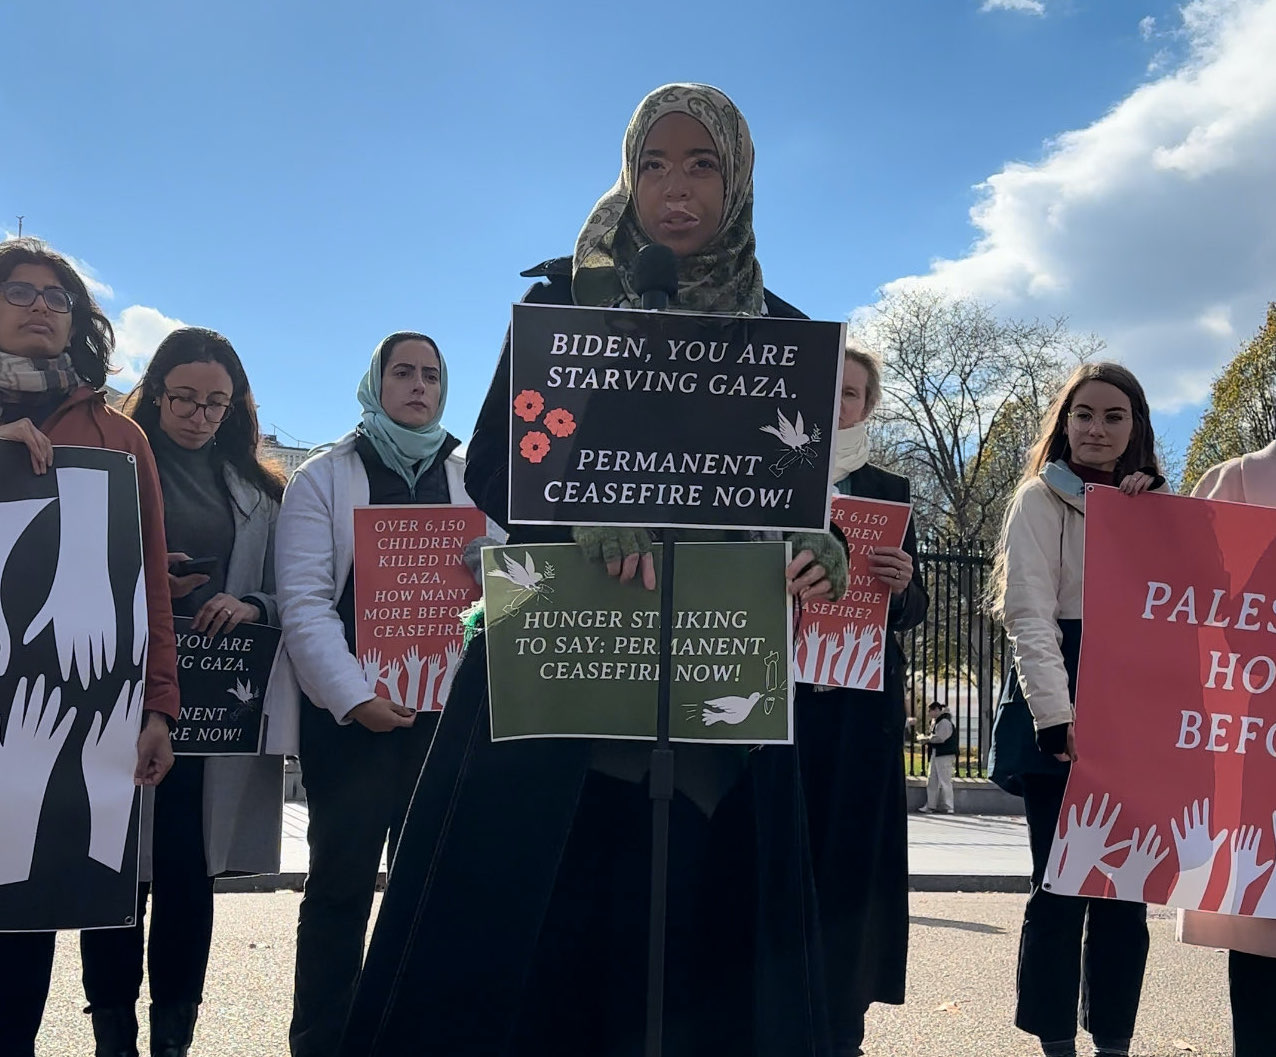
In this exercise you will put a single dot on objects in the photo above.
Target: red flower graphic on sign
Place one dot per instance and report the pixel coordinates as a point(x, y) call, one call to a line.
point(534, 447)
point(528, 404)
point(560, 422)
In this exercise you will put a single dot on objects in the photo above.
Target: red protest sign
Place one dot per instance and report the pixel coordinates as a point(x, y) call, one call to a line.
point(410, 587)
point(843, 643)
point(1170, 800)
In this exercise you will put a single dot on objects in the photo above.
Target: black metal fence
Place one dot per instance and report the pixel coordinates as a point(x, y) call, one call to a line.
point(957, 656)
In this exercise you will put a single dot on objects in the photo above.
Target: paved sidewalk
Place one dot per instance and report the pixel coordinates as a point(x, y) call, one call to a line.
point(946, 853)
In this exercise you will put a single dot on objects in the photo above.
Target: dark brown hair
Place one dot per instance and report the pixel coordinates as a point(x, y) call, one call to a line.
point(239, 435)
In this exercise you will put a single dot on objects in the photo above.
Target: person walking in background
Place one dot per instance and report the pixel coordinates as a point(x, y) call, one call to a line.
point(941, 745)
point(213, 815)
point(1097, 431)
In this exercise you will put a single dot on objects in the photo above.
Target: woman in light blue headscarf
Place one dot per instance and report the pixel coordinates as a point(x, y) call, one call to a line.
point(361, 751)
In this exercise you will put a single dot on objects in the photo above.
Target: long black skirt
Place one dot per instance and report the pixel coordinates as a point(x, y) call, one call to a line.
point(514, 922)
point(850, 747)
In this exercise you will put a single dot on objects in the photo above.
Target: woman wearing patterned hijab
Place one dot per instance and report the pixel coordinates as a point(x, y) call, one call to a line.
point(544, 845)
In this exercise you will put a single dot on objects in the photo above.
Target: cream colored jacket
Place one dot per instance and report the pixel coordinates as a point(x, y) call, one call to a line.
point(1044, 543)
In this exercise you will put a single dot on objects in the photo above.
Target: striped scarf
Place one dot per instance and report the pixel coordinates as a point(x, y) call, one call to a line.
point(23, 380)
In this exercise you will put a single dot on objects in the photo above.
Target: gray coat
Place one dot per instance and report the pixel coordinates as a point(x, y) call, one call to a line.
point(243, 795)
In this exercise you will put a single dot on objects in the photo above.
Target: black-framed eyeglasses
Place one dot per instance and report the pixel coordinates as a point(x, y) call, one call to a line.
point(185, 407)
point(23, 295)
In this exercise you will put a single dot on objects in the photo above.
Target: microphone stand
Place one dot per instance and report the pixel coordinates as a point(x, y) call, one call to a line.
point(661, 776)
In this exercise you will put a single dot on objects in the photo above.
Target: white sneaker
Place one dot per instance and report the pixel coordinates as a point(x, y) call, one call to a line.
point(925, 810)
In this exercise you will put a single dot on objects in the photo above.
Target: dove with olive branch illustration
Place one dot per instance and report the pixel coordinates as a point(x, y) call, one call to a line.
point(525, 577)
point(731, 709)
point(245, 694)
point(797, 442)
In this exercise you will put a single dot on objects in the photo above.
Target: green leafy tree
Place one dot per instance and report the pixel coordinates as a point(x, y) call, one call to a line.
point(1241, 415)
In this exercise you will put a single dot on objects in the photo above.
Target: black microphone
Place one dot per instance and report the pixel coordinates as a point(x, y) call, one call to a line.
point(656, 276)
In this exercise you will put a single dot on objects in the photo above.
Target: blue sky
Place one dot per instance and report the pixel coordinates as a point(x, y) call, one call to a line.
point(306, 176)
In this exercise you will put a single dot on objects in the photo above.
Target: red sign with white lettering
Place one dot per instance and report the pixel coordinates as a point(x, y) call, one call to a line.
point(843, 643)
point(1170, 800)
point(410, 587)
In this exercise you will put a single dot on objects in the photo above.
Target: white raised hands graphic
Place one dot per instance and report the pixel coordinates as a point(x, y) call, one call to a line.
point(451, 661)
point(846, 654)
point(413, 662)
point(1196, 848)
point(29, 751)
point(393, 672)
point(80, 605)
point(15, 519)
point(1246, 869)
point(831, 650)
point(813, 638)
point(1078, 851)
point(373, 671)
point(141, 626)
point(109, 758)
point(1266, 907)
point(731, 710)
point(432, 680)
point(870, 653)
point(1131, 877)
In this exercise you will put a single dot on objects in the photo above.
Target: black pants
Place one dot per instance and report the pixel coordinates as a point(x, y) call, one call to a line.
point(358, 787)
point(1072, 946)
point(26, 967)
point(181, 908)
point(1252, 981)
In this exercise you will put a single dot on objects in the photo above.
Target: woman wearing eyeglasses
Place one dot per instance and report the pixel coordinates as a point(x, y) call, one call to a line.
point(55, 348)
point(213, 815)
point(1071, 948)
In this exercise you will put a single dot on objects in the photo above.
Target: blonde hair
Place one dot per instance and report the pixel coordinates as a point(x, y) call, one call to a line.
point(858, 352)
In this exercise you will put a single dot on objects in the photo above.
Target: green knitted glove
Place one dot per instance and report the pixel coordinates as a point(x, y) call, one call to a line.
point(828, 552)
point(611, 543)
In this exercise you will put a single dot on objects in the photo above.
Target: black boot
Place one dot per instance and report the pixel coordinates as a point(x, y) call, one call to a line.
point(114, 1031)
point(172, 1028)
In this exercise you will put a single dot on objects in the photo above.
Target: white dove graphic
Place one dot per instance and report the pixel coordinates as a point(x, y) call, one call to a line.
point(791, 434)
point(524, 576)
point(731, 710)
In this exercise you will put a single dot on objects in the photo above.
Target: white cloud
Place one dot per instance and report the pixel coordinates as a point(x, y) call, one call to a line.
point(138, 331)
point(1155, 226)
point(1147, 27)
point(1035, 7)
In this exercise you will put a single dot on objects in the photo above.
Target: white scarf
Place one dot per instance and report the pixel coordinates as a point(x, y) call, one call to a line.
point(852, 450)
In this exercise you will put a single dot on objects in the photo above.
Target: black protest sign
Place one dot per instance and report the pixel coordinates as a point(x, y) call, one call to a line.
point(222, 679)
point(72, 645)
point(622, 417)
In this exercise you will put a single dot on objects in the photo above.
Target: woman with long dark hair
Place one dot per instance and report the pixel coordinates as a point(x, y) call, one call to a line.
point(1098, 430)
point(55, 353)
point(214, 815)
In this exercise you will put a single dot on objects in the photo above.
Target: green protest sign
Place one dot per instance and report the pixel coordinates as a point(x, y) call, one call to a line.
point(572, 653)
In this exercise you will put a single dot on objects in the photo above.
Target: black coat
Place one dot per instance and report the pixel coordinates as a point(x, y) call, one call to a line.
point(850, 747)
point(474, 932)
